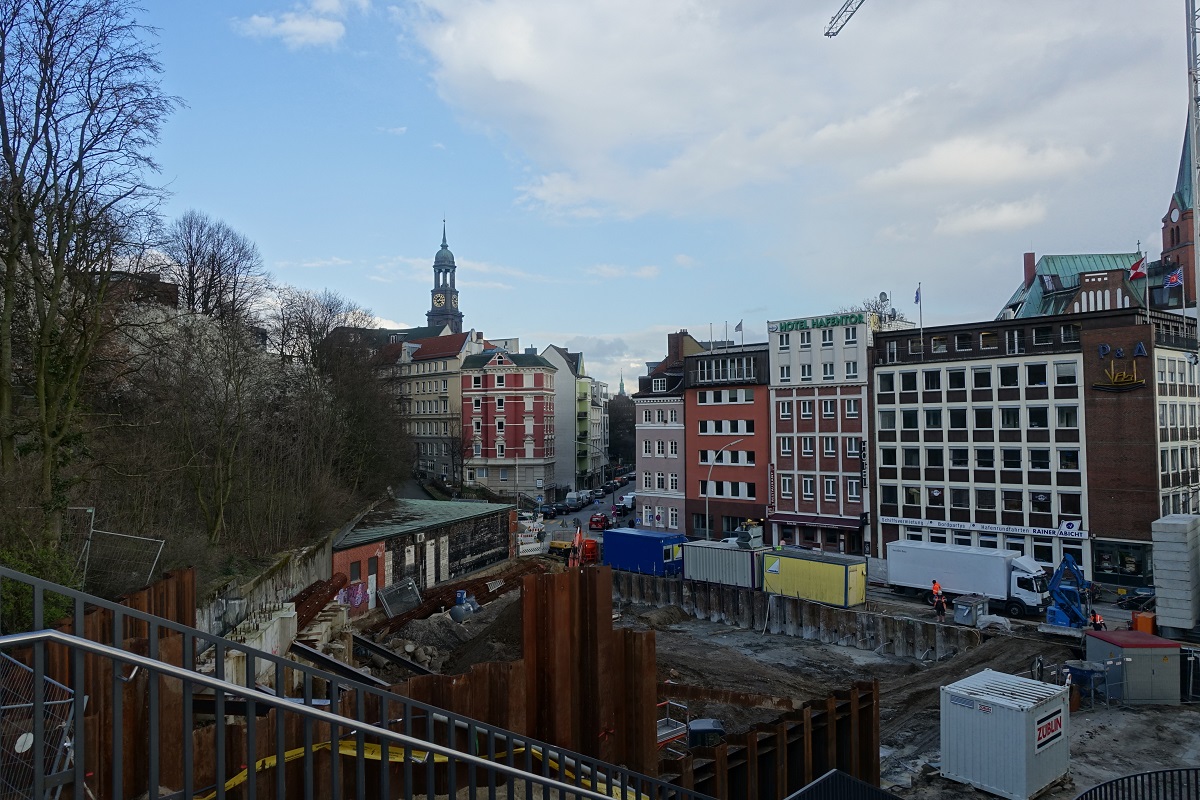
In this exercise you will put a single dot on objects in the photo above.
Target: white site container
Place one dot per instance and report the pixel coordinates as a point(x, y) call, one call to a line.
point(1004, 734)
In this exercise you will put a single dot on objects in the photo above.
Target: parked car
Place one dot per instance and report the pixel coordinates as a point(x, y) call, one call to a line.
point(611, 487)
point(599, 522)
point(623, 480)
point(547, 511)
point(597, 494)
point(562, 508)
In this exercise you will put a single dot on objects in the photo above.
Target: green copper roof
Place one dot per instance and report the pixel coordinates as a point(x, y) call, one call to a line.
point(1057, 277)
point(400, 517)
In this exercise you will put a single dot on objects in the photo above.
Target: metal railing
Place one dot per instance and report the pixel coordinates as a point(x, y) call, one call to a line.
point(1166, 784)
point(483, 764)
point(312, 682)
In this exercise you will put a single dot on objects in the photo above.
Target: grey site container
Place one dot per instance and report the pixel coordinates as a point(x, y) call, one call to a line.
point(1005, 734)
point(1141, 668)
point(716, 562)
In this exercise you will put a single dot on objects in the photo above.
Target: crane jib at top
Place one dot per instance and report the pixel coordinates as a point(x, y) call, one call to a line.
point(842, 17)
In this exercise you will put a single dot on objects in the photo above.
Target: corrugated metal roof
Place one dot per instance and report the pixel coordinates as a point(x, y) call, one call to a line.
point(400, 517)
point(818, 555)
point(1000, 688)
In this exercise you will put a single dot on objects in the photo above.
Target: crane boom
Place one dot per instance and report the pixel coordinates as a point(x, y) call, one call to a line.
point(1193, 56)
point(842, 17)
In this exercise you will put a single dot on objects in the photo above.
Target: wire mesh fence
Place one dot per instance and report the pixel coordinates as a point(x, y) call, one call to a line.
point(116, 563)
point(18, 726)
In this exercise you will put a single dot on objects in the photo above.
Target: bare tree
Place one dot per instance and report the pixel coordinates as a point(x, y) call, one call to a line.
point(304, 322)
point(80, 110)
point(880, 305)
point(218, 270)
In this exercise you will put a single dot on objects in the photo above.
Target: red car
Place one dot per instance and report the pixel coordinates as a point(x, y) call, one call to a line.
point(599, 522)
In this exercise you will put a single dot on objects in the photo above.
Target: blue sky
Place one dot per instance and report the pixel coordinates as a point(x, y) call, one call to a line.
point(614, 170)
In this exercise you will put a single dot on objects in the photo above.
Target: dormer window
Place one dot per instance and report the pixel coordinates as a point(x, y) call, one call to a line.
point(659, 385)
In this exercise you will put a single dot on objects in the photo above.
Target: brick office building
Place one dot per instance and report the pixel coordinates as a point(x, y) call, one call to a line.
point(1049, 434)
point(819, 423)
point(727, 439)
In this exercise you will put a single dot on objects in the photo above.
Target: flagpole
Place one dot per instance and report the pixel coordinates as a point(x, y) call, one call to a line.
point(921, 317)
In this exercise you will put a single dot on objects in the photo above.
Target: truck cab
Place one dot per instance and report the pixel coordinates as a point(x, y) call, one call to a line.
point(1028, 588)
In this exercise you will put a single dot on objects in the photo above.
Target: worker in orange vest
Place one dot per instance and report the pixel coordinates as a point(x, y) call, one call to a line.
point(937, 588)
point(1097, 621)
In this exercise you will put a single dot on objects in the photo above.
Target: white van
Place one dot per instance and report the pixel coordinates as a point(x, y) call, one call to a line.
point(628, 500)
point(577, 500)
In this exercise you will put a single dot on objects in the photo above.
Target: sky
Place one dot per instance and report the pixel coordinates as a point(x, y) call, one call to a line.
point(610, 171)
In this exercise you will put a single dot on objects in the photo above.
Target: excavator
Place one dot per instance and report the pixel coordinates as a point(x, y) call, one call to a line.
point(1069, 604)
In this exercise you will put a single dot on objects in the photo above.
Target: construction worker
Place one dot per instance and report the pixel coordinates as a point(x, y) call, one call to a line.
point(939, 607)
point(1096, 620)
point(937, 588)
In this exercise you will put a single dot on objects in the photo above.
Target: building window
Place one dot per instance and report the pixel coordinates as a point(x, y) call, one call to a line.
point(908, 381)
point(805, 339)
point(827, 371)
point(660, 415)
point(829, 409)
point(887, 456)
point(1039, 502)
point(1039, 458)
point(785, 341)
point(908, 419)
point(658, 385)
point(674, 415)
point(806, 445)
point(1035, 374)
point(499, 449)
point(807, 487)
point(785, 373)
point(933, 380)
point(477, 425)
point(989, 340)
point(1070, 333)
point(985, 458)
point(785, 486)
point(1010, 417)
point(985, 499)
point(499, 403)
point(477, 450)
point(1012, 500)
point(500, 379)
point(958, 418)
point(829, 445)
point(1039, 417)
point(1009, 375)
point(933, 419)
point(959, 458)
point(1010, 458)
point(827, 337)
point(962, 341)
point(673, 481)
point(831, 488)
point(851, 335)
point(673, 517)
point(887, 420)
point(1068, 459)
point(647, 480)
point(981, 377)
point(851, 370)
point(852, 408)
point(660, 480)
point(914, 347)
point(647, 448)
point(806, 409)
point(935, 457)
point(1068, 416)
point(785, 409)
point(937, 344)
point(500, 427)
point(887, 381)
point(805, 372)
point(1043, 335)
point(960, 498)
point(852, 446)
point(1069, 505)
point(673, 450)
point(912, 457)
point(1064, 373)
point(854, 489)
point(983, 418)
point(477, 404)
point(646, 417)
point(785, 446)
point(660, 448)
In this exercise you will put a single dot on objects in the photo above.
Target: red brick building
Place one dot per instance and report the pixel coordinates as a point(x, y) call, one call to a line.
point(508, 421)
point(727, 439)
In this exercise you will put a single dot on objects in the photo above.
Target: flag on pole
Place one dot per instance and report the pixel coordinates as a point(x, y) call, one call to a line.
point(738, 328)
point(1138, 270)
point(1173, 279)
point(917, 296)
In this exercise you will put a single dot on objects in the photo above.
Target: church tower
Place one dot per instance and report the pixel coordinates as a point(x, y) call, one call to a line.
point(443, 309)
point(1178, 249)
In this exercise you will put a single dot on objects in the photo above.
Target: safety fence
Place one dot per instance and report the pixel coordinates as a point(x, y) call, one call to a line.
point(1167, 784)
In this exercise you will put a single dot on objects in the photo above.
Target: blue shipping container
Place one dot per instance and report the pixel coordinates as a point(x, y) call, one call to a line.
point(647, 552)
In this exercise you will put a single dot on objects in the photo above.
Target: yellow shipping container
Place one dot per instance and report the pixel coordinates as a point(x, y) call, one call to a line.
point(824, 577)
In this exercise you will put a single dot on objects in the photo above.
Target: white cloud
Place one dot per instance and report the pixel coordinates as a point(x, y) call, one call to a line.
point(400, 131)
point(992, 217)
point(614, 271)
point(295, 30)
point(975, 161)
point(685, 261)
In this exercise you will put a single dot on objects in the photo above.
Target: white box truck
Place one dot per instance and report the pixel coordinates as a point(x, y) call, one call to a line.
point(1013, 583)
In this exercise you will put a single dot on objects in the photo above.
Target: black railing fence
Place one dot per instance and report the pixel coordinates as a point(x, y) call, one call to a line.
point(398, 747)
point(1166, 784)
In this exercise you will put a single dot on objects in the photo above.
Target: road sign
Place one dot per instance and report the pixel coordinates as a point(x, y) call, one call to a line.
point(539, 498)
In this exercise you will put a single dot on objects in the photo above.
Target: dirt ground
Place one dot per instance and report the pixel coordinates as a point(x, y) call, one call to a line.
point(1105, 742)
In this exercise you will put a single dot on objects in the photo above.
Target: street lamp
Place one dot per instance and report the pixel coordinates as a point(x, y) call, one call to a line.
point(708, 486)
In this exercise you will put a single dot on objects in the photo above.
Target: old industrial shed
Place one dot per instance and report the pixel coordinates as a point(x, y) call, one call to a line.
point(430, 541)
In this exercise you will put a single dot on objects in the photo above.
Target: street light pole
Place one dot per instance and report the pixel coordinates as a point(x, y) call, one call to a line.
point(708, 486)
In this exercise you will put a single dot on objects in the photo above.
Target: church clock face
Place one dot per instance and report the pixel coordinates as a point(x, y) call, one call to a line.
point(1174, 215)
point(439, 300)
point(454, 301)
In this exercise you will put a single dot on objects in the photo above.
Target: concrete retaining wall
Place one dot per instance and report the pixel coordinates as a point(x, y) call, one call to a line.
point(749, 609)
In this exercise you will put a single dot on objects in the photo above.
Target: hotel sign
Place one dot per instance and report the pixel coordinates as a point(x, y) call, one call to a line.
point(812, 323)
point(981, 527)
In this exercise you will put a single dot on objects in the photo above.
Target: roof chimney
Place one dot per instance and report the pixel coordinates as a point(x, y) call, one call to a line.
point(1030, 269)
